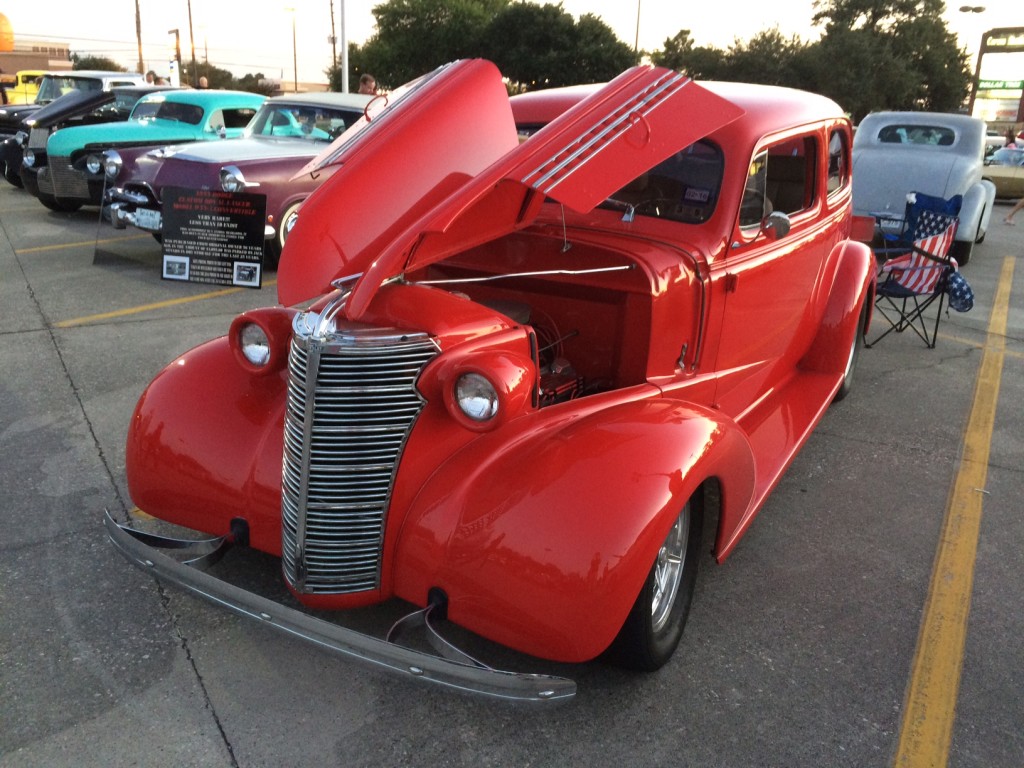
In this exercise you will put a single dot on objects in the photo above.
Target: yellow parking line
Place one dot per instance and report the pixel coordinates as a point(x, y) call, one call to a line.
point(930, 707)
point(61, 246)
point(150, 307)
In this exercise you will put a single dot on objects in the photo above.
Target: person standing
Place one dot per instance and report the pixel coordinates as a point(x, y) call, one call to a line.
point(1009, 217)
point(367, 84)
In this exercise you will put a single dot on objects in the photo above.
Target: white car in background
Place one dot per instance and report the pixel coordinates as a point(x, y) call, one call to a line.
point(896, 153)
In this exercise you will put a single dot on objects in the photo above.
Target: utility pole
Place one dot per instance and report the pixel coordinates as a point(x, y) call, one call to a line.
point(138, 34)
point(192, 42)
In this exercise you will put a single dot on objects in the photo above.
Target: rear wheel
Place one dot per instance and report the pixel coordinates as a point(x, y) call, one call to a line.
point(961, 251)
point(654, 626)
point(855, 348)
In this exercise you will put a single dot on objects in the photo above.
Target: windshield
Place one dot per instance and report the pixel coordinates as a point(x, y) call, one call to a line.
point(683, 187)
point(1007, 156)
point(55, 86)
point(306, 121)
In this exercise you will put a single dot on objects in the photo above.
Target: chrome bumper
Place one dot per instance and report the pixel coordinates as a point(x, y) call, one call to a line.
point(454, 670)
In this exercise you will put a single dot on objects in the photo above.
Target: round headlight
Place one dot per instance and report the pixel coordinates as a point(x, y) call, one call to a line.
point(231, 179)
point(29, 158)
point(111, 164)
point(476, 397)
point(255, 344)
point(94, 164)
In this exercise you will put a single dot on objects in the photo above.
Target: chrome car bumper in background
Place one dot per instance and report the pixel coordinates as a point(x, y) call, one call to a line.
point(454, 670)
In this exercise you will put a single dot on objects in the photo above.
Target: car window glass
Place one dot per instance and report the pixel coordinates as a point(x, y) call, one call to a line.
point(179, 112)
point(779, 179)
point(927, 135)
point(236, 118)
point(306, 121)
point(838, 167)
point(683, 187)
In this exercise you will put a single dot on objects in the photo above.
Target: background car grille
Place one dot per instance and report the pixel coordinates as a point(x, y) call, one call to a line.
point(67, 182)
point(352, 401)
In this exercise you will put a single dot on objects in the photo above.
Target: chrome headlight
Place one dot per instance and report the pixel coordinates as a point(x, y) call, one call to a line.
point(112, 164)
point(29, 158)
point(231, 179)
point(255, 344)
point(21, 138)
point(94, 164)
point(476, 396)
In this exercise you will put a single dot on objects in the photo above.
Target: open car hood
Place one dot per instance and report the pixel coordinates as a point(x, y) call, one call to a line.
point(71, 104)
point(443, 170)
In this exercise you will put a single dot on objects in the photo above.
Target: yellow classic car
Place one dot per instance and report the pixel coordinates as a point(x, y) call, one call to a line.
point(1005, 168)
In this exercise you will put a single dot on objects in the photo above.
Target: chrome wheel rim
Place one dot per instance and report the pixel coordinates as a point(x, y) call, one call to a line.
point(668, 570)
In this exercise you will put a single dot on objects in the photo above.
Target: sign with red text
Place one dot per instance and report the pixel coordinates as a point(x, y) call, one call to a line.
point(213, 237)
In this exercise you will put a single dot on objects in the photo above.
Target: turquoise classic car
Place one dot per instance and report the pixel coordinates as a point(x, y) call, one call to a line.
point(69, 173)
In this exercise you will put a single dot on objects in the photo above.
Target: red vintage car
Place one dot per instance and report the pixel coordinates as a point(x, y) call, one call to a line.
point(505, 373)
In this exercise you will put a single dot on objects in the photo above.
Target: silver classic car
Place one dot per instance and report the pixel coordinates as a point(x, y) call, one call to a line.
point(896, 153)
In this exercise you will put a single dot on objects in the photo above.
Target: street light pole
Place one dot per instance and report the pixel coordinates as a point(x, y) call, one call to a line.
point(138, 34)
point(295, 57)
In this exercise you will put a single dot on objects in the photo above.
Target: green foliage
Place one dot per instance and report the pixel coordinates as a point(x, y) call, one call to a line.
point(222, 79)
point(101, 63)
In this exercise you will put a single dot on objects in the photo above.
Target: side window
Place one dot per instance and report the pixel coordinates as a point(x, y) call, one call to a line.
point(780, 179)
point(238, 118)
point(838, 162)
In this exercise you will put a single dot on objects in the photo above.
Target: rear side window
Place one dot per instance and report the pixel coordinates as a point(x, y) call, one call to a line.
point(238, 118)
point(838, 162)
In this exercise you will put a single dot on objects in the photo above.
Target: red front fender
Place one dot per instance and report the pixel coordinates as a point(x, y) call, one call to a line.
point(204, 446)
point(542, 537)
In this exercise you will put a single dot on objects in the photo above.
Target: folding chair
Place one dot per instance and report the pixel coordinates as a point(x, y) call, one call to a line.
point(912, 276)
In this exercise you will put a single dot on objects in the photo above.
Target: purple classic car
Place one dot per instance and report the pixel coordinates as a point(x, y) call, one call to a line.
point(286, 133)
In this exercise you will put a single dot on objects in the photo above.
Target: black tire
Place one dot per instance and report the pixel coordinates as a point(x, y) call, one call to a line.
point(654, 626)
point(851, 361)
point(961, 251)
point(13, 177)
point(60, 206)
point(276, 246)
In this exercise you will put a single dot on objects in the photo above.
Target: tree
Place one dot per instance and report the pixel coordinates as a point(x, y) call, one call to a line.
point(416, 36)
point(901, 51)
point(101, 63)
point(541, 46)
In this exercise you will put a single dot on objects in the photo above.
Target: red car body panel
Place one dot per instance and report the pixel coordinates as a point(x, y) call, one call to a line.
point(713, 348)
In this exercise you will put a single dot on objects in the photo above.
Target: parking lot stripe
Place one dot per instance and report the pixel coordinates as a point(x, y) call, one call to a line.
point(930, 706)
point(151, 307)
point(62, 246)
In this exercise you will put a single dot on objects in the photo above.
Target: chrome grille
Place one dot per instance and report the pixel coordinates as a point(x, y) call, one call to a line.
point(67, 182)
point(37, 138)
point(352, 401)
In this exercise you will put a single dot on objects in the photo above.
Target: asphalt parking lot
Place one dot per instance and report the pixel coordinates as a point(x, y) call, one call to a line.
point(871, 615)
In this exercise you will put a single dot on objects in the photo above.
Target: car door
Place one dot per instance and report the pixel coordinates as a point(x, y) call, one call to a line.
point(768, 284)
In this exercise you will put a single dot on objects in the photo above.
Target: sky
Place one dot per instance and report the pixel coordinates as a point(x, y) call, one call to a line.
point(288, 39)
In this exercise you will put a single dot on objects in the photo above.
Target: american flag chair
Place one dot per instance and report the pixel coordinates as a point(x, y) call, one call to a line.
point(914, 275)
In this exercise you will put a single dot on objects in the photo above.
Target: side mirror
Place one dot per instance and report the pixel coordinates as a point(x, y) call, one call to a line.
point(775, 225)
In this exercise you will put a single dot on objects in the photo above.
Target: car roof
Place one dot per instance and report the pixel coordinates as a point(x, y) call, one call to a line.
point(768, 108)
point(328, 98)
point(201, 98)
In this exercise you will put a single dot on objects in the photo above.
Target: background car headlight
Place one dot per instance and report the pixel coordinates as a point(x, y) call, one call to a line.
point(111, 164)
point(254, 344)
point(29, 158)
point(94, 164)
point(232, 180)
point(476, 397)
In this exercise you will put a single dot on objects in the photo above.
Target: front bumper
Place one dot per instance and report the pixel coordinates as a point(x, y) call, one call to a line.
point(455, 670)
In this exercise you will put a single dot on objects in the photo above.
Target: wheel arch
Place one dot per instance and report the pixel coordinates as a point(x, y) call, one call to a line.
point(544, 542)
